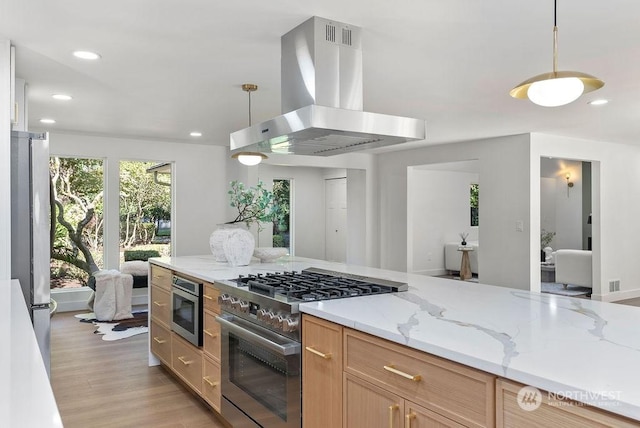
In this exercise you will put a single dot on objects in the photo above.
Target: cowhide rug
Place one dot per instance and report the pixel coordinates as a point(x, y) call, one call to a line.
point(118, 329)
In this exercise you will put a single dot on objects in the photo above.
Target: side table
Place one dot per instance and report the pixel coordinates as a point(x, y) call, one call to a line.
point(465, 265)
point(547, 272)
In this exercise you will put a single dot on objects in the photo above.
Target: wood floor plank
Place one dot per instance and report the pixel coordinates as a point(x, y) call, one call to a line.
point(100, 384)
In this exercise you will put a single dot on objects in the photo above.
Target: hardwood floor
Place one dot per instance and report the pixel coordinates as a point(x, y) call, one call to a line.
point(109, 384)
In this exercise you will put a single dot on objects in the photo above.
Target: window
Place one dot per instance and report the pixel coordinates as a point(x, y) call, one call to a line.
point(145, 210)
point(281, 219)
point(473, 202)
point(77, 221)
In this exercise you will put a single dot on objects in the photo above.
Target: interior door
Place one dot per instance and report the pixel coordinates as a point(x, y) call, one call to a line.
point(336, 220)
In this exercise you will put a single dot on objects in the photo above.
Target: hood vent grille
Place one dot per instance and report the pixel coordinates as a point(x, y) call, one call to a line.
point(330, 33)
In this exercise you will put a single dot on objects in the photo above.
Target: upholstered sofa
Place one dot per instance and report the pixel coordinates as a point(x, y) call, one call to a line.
point(574, 267)
point(453, 257)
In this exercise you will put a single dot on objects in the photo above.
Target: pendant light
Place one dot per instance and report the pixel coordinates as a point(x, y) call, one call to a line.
point(558, 87)
point(249, 158)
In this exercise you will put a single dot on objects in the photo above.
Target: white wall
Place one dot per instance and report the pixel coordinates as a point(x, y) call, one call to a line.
point(307, 203)
point(504, 188)
point(5, 160)
point(616, 209)
point(438, 212)
point(199, 185)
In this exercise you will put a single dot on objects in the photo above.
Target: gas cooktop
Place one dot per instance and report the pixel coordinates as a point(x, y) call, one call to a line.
point(315, 284)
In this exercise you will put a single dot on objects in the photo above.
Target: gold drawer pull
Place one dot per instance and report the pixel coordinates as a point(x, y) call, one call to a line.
point(410, 416)
point(159, 304)
point(206, 296)
point(392, 369)
point(160, 341)
point(184, 361)
point(208, 380)
point(392, 409)
point(208, 333)
point(318, 353)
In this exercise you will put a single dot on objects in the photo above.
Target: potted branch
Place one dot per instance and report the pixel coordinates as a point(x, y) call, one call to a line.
point(545, 240)
point(232, 242)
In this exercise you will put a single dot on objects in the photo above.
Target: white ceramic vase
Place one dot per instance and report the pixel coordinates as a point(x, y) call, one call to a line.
point(217, 238)
point(238, 247)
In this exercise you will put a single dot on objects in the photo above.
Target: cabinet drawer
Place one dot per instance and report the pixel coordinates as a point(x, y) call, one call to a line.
point(321, 373)
point(161, 305)
point(211, 298)
point(186, 361)
point(458, 392)
point(161, 342)
point(551, 413)
point(161, 277)
point(211, 336)
point(211, 383)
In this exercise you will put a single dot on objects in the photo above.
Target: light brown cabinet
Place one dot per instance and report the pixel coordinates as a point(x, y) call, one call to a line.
point(368, 406)
point(552, 413)
point(198, 368)
point(211, 382)
point(321, 373)
point(161, 277)
point(457, 392)
point(186, 362)
point(161, 342)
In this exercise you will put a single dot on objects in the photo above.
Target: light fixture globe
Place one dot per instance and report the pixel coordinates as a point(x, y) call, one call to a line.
point(249, 158)
point(556, 88)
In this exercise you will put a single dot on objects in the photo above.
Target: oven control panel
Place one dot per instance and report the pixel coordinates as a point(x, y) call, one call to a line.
point(277, 320)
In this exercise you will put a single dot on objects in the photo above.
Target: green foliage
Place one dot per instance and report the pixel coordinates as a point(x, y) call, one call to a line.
point(254, 204)
point(546, 238)
point(474, 201)
point(144, 255)
point(278, 241)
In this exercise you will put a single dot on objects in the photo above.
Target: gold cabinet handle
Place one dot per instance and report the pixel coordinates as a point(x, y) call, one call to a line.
point(160, 341)
point(206, 296)
point(318, 353)
point(159, 304)
point(392, 409)
point(208, 333)
point(392, 369)
point(208, 380)
point(184, 361)
point(407, 422)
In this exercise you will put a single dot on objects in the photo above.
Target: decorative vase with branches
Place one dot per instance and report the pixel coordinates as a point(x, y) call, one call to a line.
point(254, 204)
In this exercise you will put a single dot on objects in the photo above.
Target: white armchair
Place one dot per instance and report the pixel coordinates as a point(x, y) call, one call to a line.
point(574, 267)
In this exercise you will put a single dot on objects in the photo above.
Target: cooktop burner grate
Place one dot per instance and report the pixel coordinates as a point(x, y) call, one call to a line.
point(307, 286)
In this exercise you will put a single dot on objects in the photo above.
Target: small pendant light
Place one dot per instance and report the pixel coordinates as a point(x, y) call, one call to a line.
point(249, 158)
point(558, 87)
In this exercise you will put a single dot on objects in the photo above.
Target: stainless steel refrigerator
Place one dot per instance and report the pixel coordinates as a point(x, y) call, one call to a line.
point(30, 243)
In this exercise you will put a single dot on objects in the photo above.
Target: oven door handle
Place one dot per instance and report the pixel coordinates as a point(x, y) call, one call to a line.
point(247, 334)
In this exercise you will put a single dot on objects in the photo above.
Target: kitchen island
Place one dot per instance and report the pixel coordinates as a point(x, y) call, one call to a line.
point(586, 351)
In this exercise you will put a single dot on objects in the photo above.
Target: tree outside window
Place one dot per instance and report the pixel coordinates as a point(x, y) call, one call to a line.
point(473, 202)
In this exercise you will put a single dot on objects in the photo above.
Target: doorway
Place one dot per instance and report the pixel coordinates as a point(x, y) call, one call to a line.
point(336, 219)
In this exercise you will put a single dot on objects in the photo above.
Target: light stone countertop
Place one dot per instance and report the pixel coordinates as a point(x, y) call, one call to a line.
point(26, 398)
point(588, 350)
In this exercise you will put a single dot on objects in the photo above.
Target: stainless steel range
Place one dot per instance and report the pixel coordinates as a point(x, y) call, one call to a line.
point(261, 358)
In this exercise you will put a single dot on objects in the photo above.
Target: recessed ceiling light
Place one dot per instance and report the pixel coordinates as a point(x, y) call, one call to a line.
point(196, 134)
point(47, 121)
point(600, 102)
point(86, 55)
point(61, 97)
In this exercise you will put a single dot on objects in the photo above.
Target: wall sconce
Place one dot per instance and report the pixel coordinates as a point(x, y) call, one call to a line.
point(569, 183)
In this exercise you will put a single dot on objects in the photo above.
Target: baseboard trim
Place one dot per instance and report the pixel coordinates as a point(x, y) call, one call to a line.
point(76, 299)
point(616, 296)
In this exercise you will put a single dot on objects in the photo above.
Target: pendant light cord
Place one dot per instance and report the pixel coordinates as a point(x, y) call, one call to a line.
point(249, 93)
point(555, 36)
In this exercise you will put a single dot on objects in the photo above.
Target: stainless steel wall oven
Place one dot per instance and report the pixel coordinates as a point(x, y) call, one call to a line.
point(186, 309)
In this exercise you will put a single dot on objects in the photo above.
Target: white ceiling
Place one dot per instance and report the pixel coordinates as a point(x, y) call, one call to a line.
point(170, 67)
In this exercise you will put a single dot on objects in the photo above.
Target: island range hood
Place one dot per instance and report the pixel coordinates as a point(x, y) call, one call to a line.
point(321, 78)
